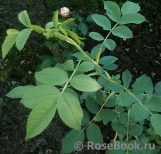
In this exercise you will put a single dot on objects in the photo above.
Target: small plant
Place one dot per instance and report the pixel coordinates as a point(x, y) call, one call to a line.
point(132, 109)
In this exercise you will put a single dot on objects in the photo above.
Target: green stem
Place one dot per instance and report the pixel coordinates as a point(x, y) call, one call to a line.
point(97, 66)
point(92, 74)
point(70, 77)
point(138, 100)
point(99, 110)
point(108, 35)
point(99, 52)
point(71, 41)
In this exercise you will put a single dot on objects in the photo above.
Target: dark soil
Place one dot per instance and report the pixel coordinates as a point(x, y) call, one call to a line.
point(140, 55)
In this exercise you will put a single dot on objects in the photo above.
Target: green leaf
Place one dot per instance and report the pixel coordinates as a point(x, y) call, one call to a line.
point(118, 127)
point(73, 139)
point(83, 28)
point(89, 18)
point(107, 115)
point(97, 118)
point(110, 44)
point(79, 18)
point(138, 112)
point(119, 108)
point(136, 130)
point(11, 31)
point(158, 88)
point(113, 10)
point(96, 36)
point(40, 94)
point(123, 117)
point(84, 83)
point(78, 55)
point(86, 94)
point(39, 118)
point(22, 38)
point(96, 49)
point(69, 65)
point(156, 123)
point(92, 105)
point(102, 21)
point(24, 18)
point(73, 114)
point(8, 43)
point(86, 118)
point(71, 91)
point(46, 63)
point(100, 97)
point(135, 18)
point(154, 103)
point(85, 67)
point(19, 92)
point(49, 25)
point(66, 22)
point(114, 86)
point(55, 19)
point(107, 60)
point(52, 76)
point(126, 78)
point(74, 36)
point(122, 32)
point(110, 67)
point(124, 99)
point(143, 84)
point(94, 134)
point(130, 7)
point(111, 102)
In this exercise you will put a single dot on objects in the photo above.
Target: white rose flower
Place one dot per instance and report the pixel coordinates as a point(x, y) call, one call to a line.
point(64, 11)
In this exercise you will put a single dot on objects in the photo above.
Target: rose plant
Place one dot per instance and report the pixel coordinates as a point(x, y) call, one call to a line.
point(132, 109)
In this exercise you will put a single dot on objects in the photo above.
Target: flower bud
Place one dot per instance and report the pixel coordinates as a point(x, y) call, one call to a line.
point(64, 11)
